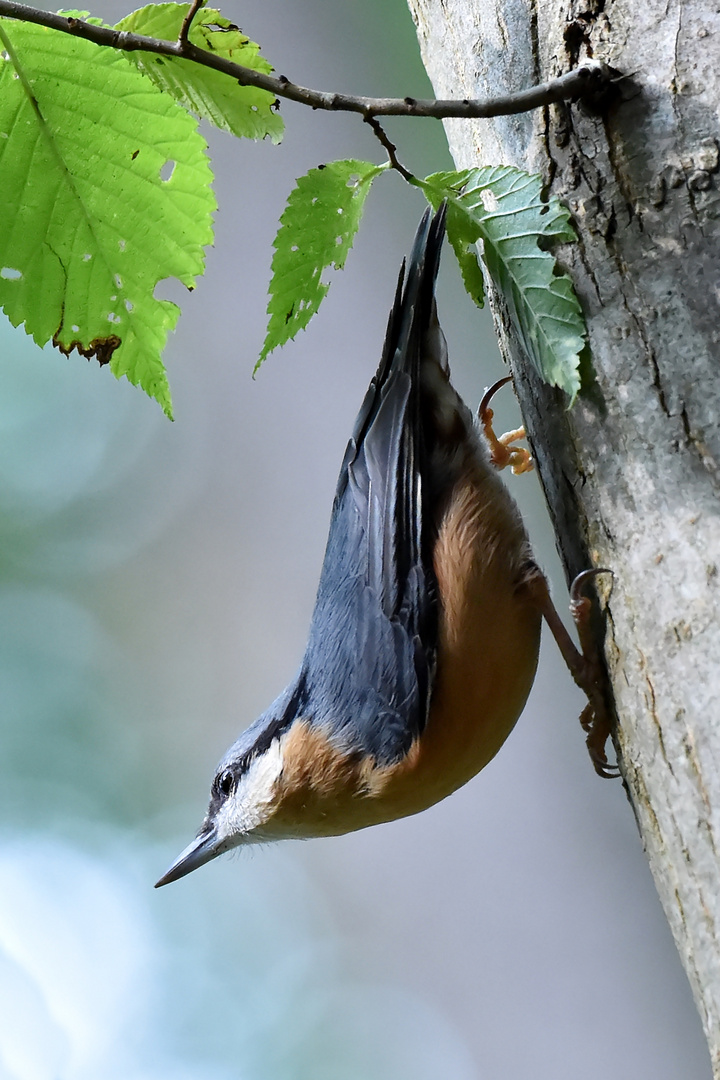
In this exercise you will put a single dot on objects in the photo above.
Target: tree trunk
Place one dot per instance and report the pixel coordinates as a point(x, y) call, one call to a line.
point(631, 474)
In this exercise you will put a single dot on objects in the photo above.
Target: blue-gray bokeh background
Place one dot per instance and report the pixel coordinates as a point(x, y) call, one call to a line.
point(156, 583)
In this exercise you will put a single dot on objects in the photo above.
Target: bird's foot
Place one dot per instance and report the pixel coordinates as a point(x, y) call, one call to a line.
point(595, 717)
point(584, 664)
point(503, 451)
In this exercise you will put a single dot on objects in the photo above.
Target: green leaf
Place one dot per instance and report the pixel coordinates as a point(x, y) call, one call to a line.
point(466, 254)
point(317, 230)
point(74, 13)
point(92, 218)
point(504, 208)
point(241, 110)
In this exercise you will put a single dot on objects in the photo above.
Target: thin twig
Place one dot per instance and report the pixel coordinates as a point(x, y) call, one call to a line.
point(187, 22)
point(390, 147)
point(582, 82)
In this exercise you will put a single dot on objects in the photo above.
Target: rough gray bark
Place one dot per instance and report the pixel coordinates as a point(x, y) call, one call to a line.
point(632, 473)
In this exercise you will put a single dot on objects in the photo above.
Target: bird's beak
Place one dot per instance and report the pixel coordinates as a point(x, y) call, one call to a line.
point(204, 847)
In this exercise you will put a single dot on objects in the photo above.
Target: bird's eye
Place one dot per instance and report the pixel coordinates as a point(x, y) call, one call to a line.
point(225, 782)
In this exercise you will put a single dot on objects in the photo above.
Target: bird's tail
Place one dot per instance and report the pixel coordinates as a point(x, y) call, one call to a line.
point(414, 306)
point(410, 317)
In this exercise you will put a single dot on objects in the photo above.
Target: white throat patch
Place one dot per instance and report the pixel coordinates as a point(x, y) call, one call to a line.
point(250, 805)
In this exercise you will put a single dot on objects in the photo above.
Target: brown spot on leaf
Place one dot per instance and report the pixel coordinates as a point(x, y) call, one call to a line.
point(100, 348)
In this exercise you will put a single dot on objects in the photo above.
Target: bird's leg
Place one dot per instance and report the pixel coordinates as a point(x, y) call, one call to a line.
point(503, 450)
point(585, 666)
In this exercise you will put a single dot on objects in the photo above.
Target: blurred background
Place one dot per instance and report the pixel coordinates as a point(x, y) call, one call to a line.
point(156, 584)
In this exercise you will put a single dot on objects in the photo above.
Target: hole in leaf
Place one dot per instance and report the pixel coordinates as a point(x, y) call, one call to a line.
point(87, 257)
point(253, 108)
point(113, 318)
point(338, 239)
point(167, 170)
point(340, 210)
point(75, 328)
point(113, 298)
point(353, 181)
point(118, 281)
point(128, 305)
point(122, 244)
point(4, 55)
point(294, 248)
point(10, 274)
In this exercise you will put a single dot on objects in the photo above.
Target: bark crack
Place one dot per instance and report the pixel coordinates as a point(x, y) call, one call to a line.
point(657, 381)
point(655, 717)
point(534, 39)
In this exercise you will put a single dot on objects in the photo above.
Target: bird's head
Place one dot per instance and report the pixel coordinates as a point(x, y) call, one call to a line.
point(243, 799)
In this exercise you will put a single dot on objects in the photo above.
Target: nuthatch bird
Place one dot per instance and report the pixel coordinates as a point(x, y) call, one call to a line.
point(424, 640)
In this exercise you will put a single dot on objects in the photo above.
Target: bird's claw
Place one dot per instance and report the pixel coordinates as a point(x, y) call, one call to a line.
point(503, 451)
point(584, 665)
point(590, 677)
point(598, 732)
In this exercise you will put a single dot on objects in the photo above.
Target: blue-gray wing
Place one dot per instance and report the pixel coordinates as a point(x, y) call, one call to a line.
point(370, 659)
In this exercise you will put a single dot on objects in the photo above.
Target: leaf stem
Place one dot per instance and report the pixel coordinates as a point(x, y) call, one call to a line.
point(187, 22)
point(584, 81)
point(390, 148)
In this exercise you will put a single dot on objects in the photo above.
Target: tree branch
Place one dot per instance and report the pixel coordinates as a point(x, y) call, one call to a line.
point(585, 81)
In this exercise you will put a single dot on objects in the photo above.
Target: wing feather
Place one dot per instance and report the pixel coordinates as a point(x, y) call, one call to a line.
point(373, 636)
